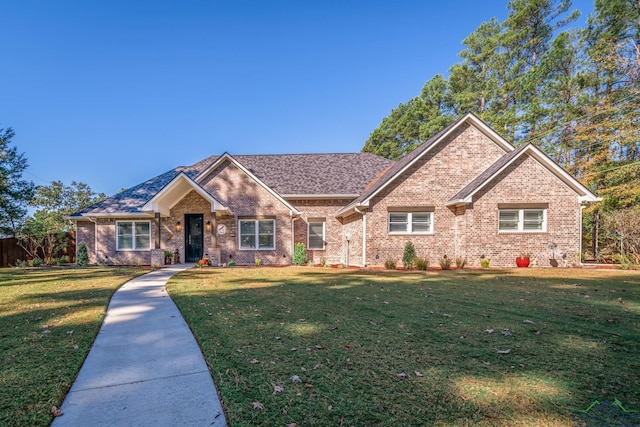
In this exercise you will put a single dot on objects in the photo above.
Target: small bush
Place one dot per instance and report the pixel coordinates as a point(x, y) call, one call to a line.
point(36, 262)
point(409, 255)
point(421, 263)
point(461, 262)
point(258, 262)
point(231, 264)
point(323, 262)
point(445, 263)
point(21, 264)
point(484, 262)
point(390, 264)
point(83, 255)
point(299, 254)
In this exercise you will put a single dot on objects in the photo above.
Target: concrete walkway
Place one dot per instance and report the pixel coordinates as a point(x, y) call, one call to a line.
point(145, 367)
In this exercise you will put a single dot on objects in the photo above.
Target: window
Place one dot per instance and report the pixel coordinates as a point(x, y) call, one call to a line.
point(133, 235)
point(522, 220)
point(316, 235)
point(257, 234)
point(410, 222)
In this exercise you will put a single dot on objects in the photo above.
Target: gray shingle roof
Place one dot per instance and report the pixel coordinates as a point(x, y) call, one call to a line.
point(315, 174)
point(487, 174)
point(337, 173)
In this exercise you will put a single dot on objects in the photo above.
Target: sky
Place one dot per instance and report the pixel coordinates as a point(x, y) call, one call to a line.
point(111, 93)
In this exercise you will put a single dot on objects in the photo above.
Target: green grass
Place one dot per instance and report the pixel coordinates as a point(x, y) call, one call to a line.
point(48, 320)
point(356, 331)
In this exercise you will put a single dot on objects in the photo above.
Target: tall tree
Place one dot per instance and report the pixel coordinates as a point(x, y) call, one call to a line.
point(15, 191)
point(45, 233)
point(412, 123)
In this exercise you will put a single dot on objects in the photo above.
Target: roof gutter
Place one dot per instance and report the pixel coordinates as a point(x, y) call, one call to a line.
point(364, 235)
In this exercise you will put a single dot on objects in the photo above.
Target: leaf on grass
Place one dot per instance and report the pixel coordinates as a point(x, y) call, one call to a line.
point(291, 424)
point(506, 333)
point(386, 302)
point(488, 331)
point(528, 321)
point(507, 351)
point(239, 351)
point(278, 389)
point(56, 412)
point(258, 405)
point(296, 379)
point(319, 347)
point(537, 332)
point(69, 332)
point(401, 375)
point(75, 346)
point(294, 349)
point(254, 361)
point(330, 407)
point(418, 374)
point(278, 338)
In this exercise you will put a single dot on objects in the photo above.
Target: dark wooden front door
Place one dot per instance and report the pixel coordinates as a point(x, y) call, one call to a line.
point(194, 237)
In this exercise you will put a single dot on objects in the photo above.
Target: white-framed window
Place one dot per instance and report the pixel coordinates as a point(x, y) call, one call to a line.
point(133, 235)
point(410, 222)
point(316, 235)
point(257, 234)
point(522, 220)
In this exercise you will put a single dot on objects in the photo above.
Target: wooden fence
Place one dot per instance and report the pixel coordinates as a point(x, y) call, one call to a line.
point(11, 252)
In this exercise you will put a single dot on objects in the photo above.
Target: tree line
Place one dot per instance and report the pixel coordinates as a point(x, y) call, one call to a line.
point(43, 233)
point(573, 91)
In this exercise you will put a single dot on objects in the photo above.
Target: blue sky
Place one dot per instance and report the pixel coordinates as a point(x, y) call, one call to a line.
point(114, 92)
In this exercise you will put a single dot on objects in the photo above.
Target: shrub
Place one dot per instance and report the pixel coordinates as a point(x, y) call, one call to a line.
point(445, 263)
point(390, 264)
point(461, 262)
point(421, 263)
point(299, 254)
point(21, 264)
point(83, 255)
point(258, 262)
point(484, 262)
point(409, 255)
point(231, 264)
point(36, 262)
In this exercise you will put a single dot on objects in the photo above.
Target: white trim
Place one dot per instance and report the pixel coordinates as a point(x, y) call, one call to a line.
point(256, 235)
point(479, 124)
point(88, 216)
point(133, 236)
point(521, 229)
point(409, 224)
point(324, 235)
point(154, 204)
point(319, 196)
point(227, 156)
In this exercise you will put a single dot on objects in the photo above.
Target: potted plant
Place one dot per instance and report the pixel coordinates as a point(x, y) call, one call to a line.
point(523, 260)
point(167, 257)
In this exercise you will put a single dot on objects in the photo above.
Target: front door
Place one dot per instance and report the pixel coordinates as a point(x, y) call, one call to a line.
point(194, 237)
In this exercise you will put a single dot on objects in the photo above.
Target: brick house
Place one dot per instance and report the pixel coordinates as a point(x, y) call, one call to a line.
point(466, 192)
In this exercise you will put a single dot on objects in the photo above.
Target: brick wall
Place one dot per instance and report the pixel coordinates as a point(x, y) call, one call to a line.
point(525, 181)
point(85, 233)
point(247, 198)
point(334, 233)
point(431, 181)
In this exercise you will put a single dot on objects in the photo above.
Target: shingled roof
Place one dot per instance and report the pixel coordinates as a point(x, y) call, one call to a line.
point(344, 174)
point(315, 174)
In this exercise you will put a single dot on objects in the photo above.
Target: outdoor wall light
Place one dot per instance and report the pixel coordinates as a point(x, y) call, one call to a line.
point(178, 226)
point(207, 226)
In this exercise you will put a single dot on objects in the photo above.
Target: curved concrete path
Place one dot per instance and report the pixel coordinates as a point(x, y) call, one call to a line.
point(145, 367)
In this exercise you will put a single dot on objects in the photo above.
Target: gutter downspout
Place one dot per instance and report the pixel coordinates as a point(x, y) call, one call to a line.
point(293, 238)
point(364, 235)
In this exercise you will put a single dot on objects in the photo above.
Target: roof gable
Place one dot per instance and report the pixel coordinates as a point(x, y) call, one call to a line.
point(176, 190)
point(465, 195)
point(402, 165)
point(233, 161)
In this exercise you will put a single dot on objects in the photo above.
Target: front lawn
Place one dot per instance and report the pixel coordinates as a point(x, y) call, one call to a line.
point(48, 320)
point(473, 347)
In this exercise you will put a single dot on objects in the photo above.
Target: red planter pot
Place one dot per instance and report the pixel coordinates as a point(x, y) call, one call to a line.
point(522, 262)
